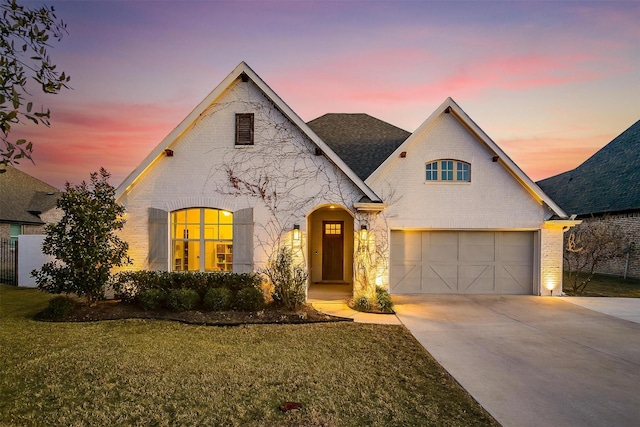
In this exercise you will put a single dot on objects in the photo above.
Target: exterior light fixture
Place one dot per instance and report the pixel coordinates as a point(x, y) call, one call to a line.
point(363, 232)
point(296, 232)
point(168, 152)
point(403, 154)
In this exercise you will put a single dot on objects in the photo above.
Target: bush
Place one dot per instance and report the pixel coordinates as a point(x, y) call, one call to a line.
point(217, 299)
point(249, 299)
point(151, 299)
point(384, 302)
point(182, 299)
point(59, 308)
point(289, 282)
point(362, 303)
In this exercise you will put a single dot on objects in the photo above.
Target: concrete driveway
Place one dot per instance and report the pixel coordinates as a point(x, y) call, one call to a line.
point(533, 361)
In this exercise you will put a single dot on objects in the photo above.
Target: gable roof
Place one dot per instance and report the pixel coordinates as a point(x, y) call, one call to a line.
point(361, 140)
point(23, 197)
point(449, 106)
point(609, 181)
point(243, 69)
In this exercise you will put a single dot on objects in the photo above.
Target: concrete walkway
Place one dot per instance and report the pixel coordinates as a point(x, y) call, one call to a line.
point(533, 361)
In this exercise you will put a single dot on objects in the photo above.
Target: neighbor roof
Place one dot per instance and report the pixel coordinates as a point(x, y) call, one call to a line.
point(361, 140)
point(607, 182)
point(23, 197)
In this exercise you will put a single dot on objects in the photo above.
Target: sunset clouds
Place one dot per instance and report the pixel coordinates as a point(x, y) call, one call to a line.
point(550, 82)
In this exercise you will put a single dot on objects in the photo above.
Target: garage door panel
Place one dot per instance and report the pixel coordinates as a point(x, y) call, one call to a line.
point(473, 262)
point(406, 279)
point(476, 279)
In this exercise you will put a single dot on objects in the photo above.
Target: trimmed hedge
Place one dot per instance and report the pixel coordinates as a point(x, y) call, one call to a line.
point(217, 299)
point(249, 299)
point(129, 283)
point(182, 299)
point(59, 307)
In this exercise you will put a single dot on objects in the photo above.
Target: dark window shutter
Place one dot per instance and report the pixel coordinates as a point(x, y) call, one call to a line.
point(158, 239)
point(243, 241)
point(244, 129)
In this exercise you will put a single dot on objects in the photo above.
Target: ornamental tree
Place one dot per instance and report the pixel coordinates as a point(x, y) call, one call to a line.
point(25, 36)
point(84, 242)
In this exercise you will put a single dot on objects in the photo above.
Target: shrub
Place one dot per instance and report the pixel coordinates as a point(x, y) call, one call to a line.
point(151, 299)
point(59, 308)
point(384, 302)
point(182, 299)
point(289, 282)
point(217, 299)
point(249, 299)
point(362, 303)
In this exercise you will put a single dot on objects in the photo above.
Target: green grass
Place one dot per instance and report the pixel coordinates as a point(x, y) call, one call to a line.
point(141, 372)
point(607, 286)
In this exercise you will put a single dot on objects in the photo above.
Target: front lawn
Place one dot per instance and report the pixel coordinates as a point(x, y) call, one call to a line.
point(607, 286)
point(151, 372)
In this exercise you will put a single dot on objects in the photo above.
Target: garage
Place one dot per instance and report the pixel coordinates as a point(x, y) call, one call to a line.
point(464, 262)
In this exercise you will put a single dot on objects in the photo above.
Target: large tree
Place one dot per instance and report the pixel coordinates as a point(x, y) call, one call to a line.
point(25, 65)
point(84, 242)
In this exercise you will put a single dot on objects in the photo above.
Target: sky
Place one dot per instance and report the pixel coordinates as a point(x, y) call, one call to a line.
point(551, 82)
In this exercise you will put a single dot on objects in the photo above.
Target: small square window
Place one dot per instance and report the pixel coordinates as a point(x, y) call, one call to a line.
point(244, 129)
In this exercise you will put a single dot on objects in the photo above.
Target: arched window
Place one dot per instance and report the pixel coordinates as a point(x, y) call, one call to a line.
point(448, 170)
point(202, 240)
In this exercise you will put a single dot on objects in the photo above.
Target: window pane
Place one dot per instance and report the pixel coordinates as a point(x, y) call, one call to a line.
point(211, 232)
point(193, 216)
point(178, 231)
point(211, 216)
point(179, 216)
point(226, 217)
point(432, 171)
point(210, 256)
point(226, 232)
point(192, 250)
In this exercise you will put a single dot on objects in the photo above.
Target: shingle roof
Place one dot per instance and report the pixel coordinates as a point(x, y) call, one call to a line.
point(609, 181)
point(362, 141)
point(23, 197)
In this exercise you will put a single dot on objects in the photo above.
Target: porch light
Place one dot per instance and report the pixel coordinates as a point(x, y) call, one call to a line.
point(363, 232)
point(296, 232)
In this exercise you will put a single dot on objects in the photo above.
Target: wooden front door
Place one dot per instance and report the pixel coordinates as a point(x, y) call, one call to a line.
point(332, 250)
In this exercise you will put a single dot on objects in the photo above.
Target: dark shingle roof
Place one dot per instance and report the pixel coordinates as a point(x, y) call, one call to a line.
point(362, 141)
point(609, 181)
point(23, 197)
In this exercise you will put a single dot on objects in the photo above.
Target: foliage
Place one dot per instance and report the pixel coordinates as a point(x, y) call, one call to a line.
point(59, 307)
point(289, 281)
point(587, 246)
point(129, 283)
point(383, 300)
point(182, 299)
point(151, 299)
point(24, 40)
point(217, 299)
point(84, 241)
point(362, 303)
point(249, 299)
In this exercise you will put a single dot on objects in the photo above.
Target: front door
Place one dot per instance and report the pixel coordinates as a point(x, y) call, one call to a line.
point(332, 250)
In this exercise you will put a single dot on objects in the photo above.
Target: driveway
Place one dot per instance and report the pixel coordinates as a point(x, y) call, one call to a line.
point(533, 361)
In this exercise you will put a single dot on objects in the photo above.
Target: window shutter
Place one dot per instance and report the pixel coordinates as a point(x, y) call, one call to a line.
point(243, 241)
point(244, 129)
point(158, 239)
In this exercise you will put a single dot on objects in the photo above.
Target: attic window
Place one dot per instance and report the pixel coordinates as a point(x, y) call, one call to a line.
point(244, 129)
point(448, 170)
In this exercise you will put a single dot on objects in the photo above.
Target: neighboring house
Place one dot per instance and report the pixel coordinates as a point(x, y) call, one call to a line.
point(606, 187)
point(26, 204)
point(439, 210)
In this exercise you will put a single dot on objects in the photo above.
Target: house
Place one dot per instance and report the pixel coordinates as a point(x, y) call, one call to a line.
point(26, 204)
point(605, 188)
point(359, 201)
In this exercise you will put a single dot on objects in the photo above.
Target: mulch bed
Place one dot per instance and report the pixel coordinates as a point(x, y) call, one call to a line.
point(117, 310)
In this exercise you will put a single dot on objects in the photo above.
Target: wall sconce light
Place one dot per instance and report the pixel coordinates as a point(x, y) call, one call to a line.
point(296, 232)
point(168, 152)
point(363, 232)
point(403, 154)
point(495, 159)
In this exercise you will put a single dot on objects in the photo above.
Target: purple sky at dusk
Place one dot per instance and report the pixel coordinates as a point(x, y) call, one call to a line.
point(550, 81)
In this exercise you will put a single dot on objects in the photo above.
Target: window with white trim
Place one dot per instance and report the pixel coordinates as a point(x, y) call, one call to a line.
point(448, 170)
point(202, 240)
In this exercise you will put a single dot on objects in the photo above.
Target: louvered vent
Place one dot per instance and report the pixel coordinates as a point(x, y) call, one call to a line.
point(244, 129)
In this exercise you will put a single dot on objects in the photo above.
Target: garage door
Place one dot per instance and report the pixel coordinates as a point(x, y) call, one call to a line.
point(466, 262)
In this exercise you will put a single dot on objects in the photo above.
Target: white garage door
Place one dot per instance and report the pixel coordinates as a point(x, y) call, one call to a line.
point(465, 262)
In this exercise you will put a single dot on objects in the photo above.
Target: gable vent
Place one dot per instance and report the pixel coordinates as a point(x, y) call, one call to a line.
point(244, 129)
